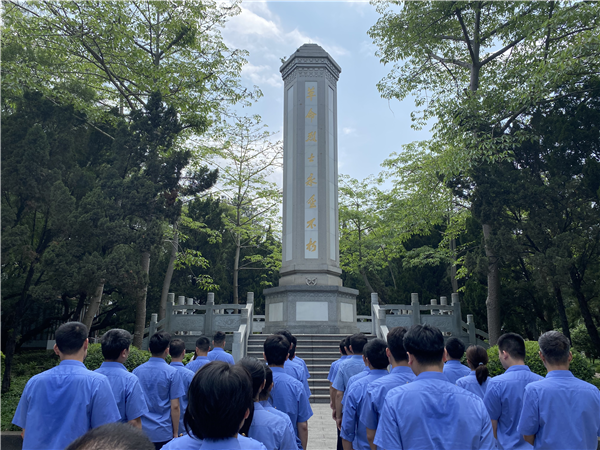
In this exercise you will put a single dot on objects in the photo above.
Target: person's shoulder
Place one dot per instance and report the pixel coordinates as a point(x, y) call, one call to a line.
point(185, 442)
point(250, 444)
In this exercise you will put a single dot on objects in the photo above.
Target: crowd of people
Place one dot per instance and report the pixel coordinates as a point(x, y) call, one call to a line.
point(411, 392)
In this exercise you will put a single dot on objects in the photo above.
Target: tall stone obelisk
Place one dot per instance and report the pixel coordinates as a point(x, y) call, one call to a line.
point(310, 297)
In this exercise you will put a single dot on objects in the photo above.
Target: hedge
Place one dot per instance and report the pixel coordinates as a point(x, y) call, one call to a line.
point(136, 357)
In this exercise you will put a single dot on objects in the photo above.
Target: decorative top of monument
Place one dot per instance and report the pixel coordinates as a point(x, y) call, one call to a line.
point(310, 56)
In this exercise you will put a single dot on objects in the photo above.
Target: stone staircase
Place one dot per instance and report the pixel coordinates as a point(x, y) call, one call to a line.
point(317, 350)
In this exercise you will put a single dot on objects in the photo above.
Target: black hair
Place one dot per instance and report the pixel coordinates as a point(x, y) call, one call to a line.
point(264, 394)
point(374, 351)
point(116, 436)
point(425, 343)
point(203, 343)
point(219, 396)
point(114, 342)
point(478, 357)
point(159, 342)
point(358, 342)
point(555, 347)
point(70, 337)
point(219, 337)
point(343, 346)
point(513, 344)
point(276, 348)
point(395, 343)
point(256, 369)
point(177, 348)
point(291, 339)
point(455, 348)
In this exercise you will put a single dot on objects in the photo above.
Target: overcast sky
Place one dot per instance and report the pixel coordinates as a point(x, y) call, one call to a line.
point(369, 127)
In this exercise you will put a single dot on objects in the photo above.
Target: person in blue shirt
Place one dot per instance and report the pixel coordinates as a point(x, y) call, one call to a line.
point(163, 388)
point(430, 412)
point(212, 422)
point(504, 394)
point(292, 367)
point(354, 429)
point(61, 404)
point(218, 352)
point(113, 436)
point(453, 353)
point(333, 371)
point(359, 375)
point(202, 347)
point(560, 411)
point(378, 389)
point(177, 351)
point(288, 394)
point(125, 386)
point(477, 380)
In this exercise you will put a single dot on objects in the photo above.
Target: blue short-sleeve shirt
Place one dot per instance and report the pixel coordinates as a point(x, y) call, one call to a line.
point(562, 412)
point(378, 389)
point(303, 363)
point(288, 396)
point(268, 407)
point(454, 370)
point(186, 378)
point(334, 367)
point(504, 400)
point(218, 354)
point(432, 413)
point(471, 384)
point(353, 427)
point(188, 442)
point(351, 366)
point(295, 370)
point(271, 430)
point(197, 363)
point(357, 377)
point(161, 383)
point(126, 389)
point(61, 404)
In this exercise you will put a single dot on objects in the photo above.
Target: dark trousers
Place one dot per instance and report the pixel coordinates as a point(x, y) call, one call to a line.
point(159, 445)
point(339, 441)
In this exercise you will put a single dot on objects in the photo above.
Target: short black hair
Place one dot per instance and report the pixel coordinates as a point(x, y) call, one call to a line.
point(276, 348)
point(555, 347)
point(114, 342)
point(264, 394)
point(455, 348)
point(219, 337)
point(396, 345)
point(177, 347)
point(159, 342)
point(425, 343)
point(358, 342)
point(374, 351)
point(116, 436)
point(291, 339)
point(219, 396)
point(70, 337)
point(343, 346)
point(203, 343)
point(513, 344)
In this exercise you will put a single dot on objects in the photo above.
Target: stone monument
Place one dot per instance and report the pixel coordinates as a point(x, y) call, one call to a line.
point(310, 298)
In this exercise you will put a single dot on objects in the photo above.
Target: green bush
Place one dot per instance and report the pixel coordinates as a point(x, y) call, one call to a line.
point(95, 359)
point(583, 342)
point(580, 366)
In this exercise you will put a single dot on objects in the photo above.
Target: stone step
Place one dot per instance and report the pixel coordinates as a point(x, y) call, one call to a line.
point(319, 398)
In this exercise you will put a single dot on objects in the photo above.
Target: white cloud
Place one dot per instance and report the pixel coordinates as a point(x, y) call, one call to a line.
point(348, 130)
point(261, 75)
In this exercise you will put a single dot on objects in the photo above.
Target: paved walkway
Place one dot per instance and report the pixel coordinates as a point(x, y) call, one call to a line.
point(321, 428)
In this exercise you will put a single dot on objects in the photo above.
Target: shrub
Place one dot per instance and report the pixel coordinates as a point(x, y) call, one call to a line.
point(580, 366)
point(95, 359)
point(583, 342)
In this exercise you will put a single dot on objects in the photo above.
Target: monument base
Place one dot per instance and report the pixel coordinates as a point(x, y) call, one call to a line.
point(311, 309)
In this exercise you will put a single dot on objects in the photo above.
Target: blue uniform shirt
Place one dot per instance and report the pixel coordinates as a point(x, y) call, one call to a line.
point(268, 407)
point(161, 383)
point(197, 363)
point(186, 378)
point(454, 370)
point(126, 389)
point(354, 429)
point(471, 384)
point(218, 354)
point(432, 413)
point(271, 430)
point(295, 370)
point(378, 389)
point(334, 367)
point(562, 412)
point(192, 443)
point(288, 396)
point(61, 404)
point(351, 366)
point(504, 399)
point(297, 359)
point(357, 377)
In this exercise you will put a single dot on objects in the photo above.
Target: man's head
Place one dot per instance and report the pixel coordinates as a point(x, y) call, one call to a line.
point(115, 344)
point(71, 339)
point(343, 347)
point(177, 349)
point(202, 346)
point(511, 349)
point(374, 352)
point(357, 343)
point(219, 339)
point(291, 339)
point(207, 415)
point(455, 349)
point(395, 344)
point(159, 343)
point(114, 436)
point(276, 349)
point(425, 346)
point(555, 349)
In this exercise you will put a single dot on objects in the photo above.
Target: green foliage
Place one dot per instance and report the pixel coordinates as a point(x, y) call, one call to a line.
point(95, 359)
point(583, 343)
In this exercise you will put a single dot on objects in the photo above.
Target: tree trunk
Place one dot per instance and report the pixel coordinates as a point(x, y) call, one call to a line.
point(162, 310)
point(584, 308)
point(94, 304)
point(564, 322)
point(236, 270)
point(493, 277)
point(366, 280)
point(140, 308)
point(453, 266)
